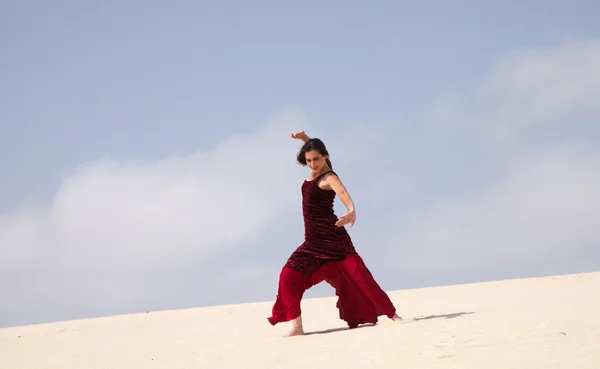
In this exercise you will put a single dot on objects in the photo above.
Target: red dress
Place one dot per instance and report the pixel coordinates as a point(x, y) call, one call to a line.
point(328, 254)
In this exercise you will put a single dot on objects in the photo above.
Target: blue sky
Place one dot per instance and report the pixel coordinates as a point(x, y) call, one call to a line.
point(147, 161)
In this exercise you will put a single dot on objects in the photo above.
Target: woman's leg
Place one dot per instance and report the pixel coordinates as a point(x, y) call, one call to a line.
point(296, 276)
point(292, 285)
point(363, 278)
point(360, 298)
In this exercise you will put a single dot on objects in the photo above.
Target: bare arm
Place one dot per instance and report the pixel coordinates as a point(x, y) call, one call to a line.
point(339, 188)
point(301, 136)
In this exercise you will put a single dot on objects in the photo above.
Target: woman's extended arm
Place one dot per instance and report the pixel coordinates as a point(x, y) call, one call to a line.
point(301, 136)
point(339, 188)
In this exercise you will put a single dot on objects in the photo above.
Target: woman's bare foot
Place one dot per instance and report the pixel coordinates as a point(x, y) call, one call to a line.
point(297, 329)
point(396, 318)
point(296, 332)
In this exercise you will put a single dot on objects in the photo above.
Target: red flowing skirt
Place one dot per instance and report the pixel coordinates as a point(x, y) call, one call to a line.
point(360, 299)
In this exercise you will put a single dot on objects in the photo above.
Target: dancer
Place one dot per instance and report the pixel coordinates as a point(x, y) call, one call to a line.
point(327, 253)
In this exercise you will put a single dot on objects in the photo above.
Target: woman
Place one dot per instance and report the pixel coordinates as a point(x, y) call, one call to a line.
point(327, 253)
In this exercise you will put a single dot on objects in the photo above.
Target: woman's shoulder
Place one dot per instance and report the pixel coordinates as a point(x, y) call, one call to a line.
point(324, 180)
point(331, 173)
point(321, 176)
point(326, 175)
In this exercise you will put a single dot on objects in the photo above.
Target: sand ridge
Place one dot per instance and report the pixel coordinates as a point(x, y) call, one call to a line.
point(550, 322)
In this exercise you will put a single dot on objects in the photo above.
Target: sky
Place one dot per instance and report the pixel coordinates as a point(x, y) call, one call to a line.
point(147, 164)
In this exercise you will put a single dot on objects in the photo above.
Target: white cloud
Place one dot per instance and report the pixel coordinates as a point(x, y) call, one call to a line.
point(537, 84)
point(547, 205)
point(141, 214)
point(532, 88)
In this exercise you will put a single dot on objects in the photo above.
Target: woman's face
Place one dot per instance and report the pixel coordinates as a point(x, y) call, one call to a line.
point(314, 160)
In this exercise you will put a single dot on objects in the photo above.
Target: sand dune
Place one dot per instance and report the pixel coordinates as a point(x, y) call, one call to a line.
point(551, 322)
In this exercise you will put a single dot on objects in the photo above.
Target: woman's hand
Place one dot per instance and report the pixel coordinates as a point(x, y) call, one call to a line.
point(300, 136)
point(348, 218)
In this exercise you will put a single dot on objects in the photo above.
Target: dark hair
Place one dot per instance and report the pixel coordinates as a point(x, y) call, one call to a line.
point(310, 145)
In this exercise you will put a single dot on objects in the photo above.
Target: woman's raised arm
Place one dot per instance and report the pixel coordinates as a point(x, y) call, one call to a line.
point(300, 136)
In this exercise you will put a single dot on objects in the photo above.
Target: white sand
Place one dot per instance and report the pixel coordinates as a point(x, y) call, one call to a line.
point(537, 323)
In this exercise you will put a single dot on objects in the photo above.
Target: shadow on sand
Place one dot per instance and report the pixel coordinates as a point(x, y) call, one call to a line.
point(445, 316)
point(441, 316)
point(332, 330)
